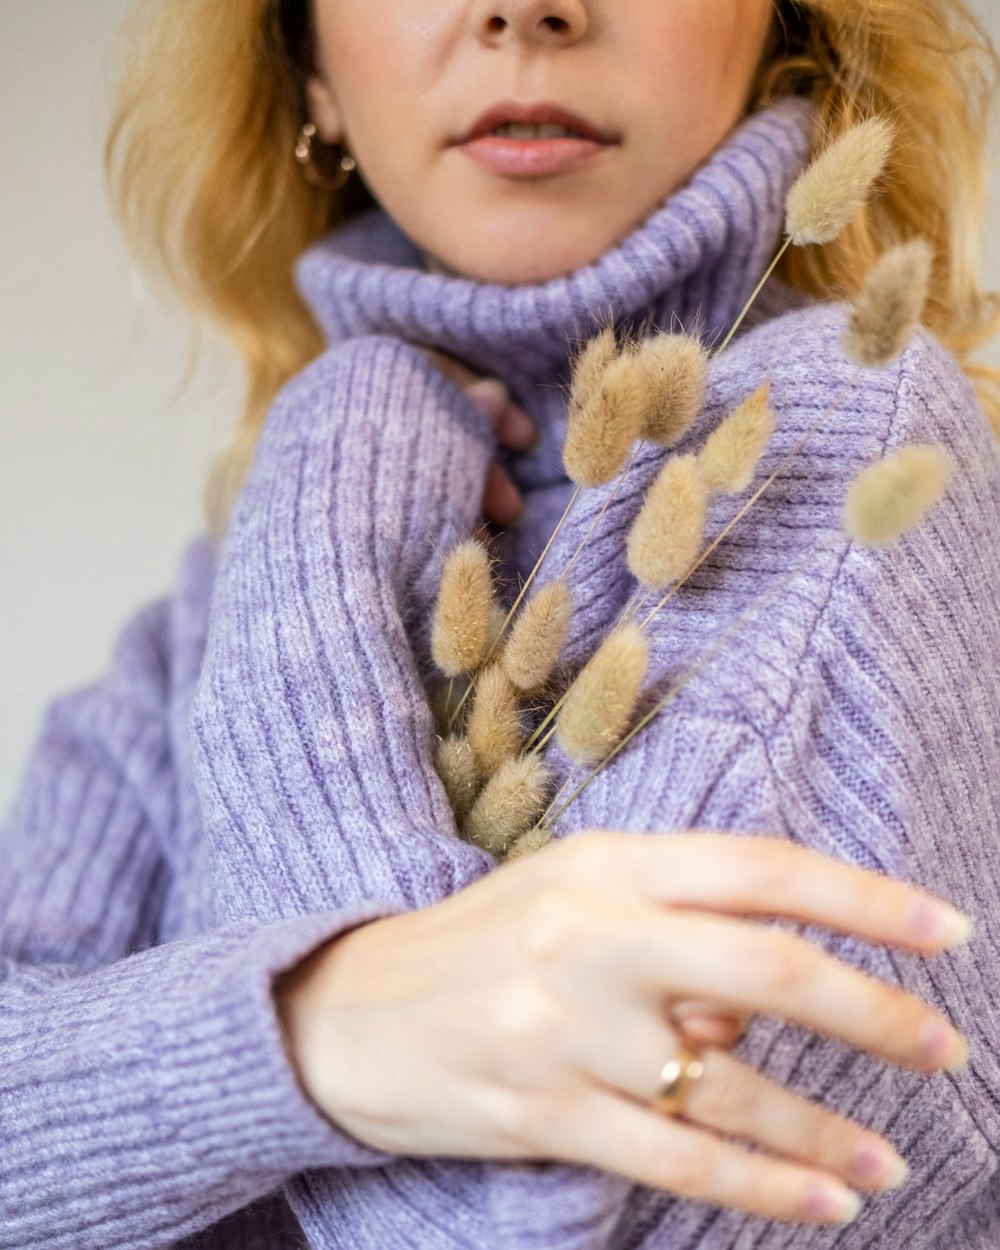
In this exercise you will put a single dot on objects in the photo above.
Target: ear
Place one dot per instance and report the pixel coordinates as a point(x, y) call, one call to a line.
point(323, 109)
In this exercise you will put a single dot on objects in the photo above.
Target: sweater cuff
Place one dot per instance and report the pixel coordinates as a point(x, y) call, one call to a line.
point(155, 1096)
point(285, 1112)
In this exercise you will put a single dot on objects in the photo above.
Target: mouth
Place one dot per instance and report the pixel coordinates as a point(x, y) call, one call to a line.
point(526, 123)
point(530, 140)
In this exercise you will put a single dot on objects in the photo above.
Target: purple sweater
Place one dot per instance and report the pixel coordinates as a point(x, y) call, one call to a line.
point(253, 773)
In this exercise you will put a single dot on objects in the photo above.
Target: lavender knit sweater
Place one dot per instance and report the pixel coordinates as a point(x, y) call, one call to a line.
point(253, 774)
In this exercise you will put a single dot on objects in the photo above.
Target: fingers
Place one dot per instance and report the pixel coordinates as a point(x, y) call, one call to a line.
point(705, 1027)
point(512, 426)
point(761, 876)
point(758, 969)
point(501, 498)
point(734, 1099)
point(608, 1131)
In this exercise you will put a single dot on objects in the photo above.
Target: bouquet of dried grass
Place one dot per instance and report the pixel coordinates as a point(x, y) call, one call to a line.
point(652, 390)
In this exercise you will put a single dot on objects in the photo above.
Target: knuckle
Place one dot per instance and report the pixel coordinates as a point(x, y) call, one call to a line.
point(687, 1169)
point(767, 865)
point(785, 970)
point(553, 924)
point(588, 856)
point(723, 1095)
point(523, 1014)
point(516, 1119)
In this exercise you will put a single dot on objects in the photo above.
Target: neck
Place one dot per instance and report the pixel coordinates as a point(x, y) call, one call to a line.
point(692, 262)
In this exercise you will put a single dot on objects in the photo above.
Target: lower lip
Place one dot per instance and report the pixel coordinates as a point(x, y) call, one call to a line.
point(524, 157)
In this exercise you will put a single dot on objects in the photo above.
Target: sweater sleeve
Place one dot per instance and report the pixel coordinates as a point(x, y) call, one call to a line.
point(857, 715)
point(313, 736)
point(144, 1090)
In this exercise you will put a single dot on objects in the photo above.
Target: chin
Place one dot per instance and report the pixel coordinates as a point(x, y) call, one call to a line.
point(510, 265)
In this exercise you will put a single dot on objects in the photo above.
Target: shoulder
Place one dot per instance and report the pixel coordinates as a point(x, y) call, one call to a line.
point(923, 394)
point(790, 605)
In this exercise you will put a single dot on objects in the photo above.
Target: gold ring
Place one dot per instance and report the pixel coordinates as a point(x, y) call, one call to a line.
point(676, 1078)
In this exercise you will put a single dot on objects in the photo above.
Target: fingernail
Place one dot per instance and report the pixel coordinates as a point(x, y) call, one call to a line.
point(490, 395)
point(939, 922)
point(942, 1046)
point(831, 1202)
point(880, 1165)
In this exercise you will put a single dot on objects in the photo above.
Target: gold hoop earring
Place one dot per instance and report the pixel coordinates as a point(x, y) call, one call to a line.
point(312, 170)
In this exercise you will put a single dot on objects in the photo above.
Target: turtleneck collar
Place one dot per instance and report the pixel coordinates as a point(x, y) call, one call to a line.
point(694, 261)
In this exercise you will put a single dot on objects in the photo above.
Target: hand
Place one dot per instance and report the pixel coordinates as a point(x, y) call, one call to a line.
point(526, 1016)
point(513, 428)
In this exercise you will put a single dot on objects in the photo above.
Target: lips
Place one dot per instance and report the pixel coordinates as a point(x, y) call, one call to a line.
point(535, 114)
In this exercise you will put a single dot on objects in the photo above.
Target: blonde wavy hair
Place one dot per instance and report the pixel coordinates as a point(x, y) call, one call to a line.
point(201, 170)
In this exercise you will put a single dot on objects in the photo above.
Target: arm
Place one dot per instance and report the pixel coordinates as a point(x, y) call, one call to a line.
point(144, 1093)
point(856, 715)
point(313, 736)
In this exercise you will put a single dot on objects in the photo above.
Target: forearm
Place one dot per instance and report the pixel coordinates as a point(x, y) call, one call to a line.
point(144, 1101)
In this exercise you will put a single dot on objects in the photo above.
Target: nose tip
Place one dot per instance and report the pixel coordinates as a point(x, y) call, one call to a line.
point(534, 18)
point(497, 24)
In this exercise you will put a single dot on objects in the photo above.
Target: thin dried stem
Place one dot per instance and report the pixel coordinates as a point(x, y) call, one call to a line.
point(604, 507)
point(750, 302)
point(517, 602)
point(675, 690)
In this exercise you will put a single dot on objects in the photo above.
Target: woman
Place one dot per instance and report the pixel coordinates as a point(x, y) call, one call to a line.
point(250, 792)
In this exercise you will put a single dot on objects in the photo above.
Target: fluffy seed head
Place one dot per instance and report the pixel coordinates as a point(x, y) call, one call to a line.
point(533, 840)
point(510, 803)
point(828, 195)
point(589, 365)
point(666, 535)
point(601, 429)
point(600, 702)
point(891, 496)
point(456, 765)
point(889, 306)
point(676, 369)
point(733, 450)
point(494, 729)
point(462, 615)
point(494, 637)
point(538, 636)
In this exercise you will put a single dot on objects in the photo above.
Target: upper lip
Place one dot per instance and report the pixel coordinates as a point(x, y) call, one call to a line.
point(511, 111)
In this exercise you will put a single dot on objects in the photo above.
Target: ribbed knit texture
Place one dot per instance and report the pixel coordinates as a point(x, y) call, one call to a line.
point(253, 775)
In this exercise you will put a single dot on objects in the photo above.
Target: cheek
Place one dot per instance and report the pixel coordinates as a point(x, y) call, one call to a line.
point(378, 56)
point(698, 60)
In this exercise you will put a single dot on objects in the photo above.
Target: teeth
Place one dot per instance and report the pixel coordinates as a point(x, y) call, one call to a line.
point(525, 130)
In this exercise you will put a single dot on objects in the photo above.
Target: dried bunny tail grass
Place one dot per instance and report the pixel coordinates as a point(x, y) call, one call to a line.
point(667, 533)
point(890, 305)
point(600, 702)
point(538, 636)
point(589, 365)
point(494, 729)
point(601, 429)
point(456, 765)
point(676, 369)
point(733, 450)
point(510, 803)
point(831, 191)
point(891, 496)
point(494, 640)
point(528, 843)
point(461, 625)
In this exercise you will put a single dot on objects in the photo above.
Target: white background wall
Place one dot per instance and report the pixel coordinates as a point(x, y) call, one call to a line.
point(102, 460)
